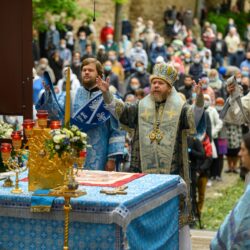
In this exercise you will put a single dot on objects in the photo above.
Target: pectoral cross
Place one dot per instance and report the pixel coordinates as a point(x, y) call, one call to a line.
point(115, 191)
point(156, 135)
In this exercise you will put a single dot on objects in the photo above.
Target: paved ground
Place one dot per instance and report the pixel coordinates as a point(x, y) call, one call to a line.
point(201, 239)
point(227, 180)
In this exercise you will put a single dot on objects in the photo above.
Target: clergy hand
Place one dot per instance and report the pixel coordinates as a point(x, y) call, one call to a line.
point(231, 88)
point(199, 102)
point(198, 87)
point(110, 165)
point(102, 85)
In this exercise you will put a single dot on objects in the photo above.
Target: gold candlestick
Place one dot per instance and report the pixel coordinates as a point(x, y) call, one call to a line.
point(67, 208)
point(67, 102)
point(17, 189)
point(67, 194)
point(15, 164)
point(14, 161)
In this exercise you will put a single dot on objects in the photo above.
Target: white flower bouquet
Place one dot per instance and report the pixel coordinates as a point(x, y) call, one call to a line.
point(5, 130)
point(66, 140)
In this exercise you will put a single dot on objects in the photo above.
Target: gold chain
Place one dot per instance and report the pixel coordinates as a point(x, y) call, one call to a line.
point(156, 134)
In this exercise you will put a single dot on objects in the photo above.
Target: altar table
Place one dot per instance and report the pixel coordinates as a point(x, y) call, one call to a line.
point(145, 218)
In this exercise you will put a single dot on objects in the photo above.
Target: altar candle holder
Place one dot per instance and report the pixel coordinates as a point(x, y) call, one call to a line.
point(16, 139)
point(80, 161)
point(14, 162)
point(55, 124)
point(83, 153)
point(42, 116)
point(82, 158)
point(28, 125)
point(67, 194)
point(6, 151)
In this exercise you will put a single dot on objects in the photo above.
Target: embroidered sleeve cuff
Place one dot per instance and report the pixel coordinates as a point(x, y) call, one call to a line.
point(200, 100)
point(107, 97)
point(230, 100)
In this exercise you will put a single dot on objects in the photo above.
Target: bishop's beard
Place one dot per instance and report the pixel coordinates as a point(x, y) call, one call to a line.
point(159, 97)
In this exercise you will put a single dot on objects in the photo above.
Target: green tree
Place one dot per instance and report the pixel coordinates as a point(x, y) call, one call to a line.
point(221, 20)
point(118, 18)
point(46, 11)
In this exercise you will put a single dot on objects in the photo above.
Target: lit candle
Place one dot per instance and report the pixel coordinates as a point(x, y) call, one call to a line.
point(28, 125)
point(16, 139)
point(82, 153)
point(55, 124)
point(42, 116)
point(67, 104)
point(5, 151)
point(82, 158)
point(16, 135)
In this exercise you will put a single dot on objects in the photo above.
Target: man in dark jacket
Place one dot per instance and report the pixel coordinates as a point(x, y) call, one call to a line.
point(196, 157)
point(187, 88)
point(219, 50)
point(141, 74)
point(159, 50)
point(196, 68)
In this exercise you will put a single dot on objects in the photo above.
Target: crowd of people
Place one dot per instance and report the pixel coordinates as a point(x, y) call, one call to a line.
point(198, 53)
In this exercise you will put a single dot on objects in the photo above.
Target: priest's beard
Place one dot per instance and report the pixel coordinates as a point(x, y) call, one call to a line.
point(89, 84)
point(159, 97)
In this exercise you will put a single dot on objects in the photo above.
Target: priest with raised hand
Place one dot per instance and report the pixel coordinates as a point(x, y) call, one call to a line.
point(88, 112)
point(162, 121)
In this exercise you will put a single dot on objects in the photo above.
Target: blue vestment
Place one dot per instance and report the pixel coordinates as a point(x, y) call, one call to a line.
point(234, 233)
point(105, 138)
point(37, 87)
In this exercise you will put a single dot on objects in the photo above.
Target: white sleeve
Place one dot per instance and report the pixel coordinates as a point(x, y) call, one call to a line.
point(114, 105)
point(218, 124)
point(234, 114)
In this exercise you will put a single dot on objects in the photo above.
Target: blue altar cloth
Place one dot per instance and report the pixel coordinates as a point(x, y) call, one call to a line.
point(145, 218)
point(44, 201)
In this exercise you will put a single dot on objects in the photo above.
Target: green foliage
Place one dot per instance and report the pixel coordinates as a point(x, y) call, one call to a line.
point(60, 9)
point(221, 21)
point(120, 1)
point(216, 209)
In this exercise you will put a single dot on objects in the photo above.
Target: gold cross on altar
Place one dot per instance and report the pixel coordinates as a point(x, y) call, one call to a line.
point(115, 191)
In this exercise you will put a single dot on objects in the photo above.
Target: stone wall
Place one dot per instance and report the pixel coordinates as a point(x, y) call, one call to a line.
point(154, 9)
point(148, 9)
point(105, 10)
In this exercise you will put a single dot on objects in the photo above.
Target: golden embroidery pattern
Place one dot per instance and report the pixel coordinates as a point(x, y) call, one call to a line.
point(156, 135)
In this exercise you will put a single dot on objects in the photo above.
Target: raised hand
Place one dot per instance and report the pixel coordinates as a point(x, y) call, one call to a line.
point(197, 87)
point(102, 85)
point(231, 88)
